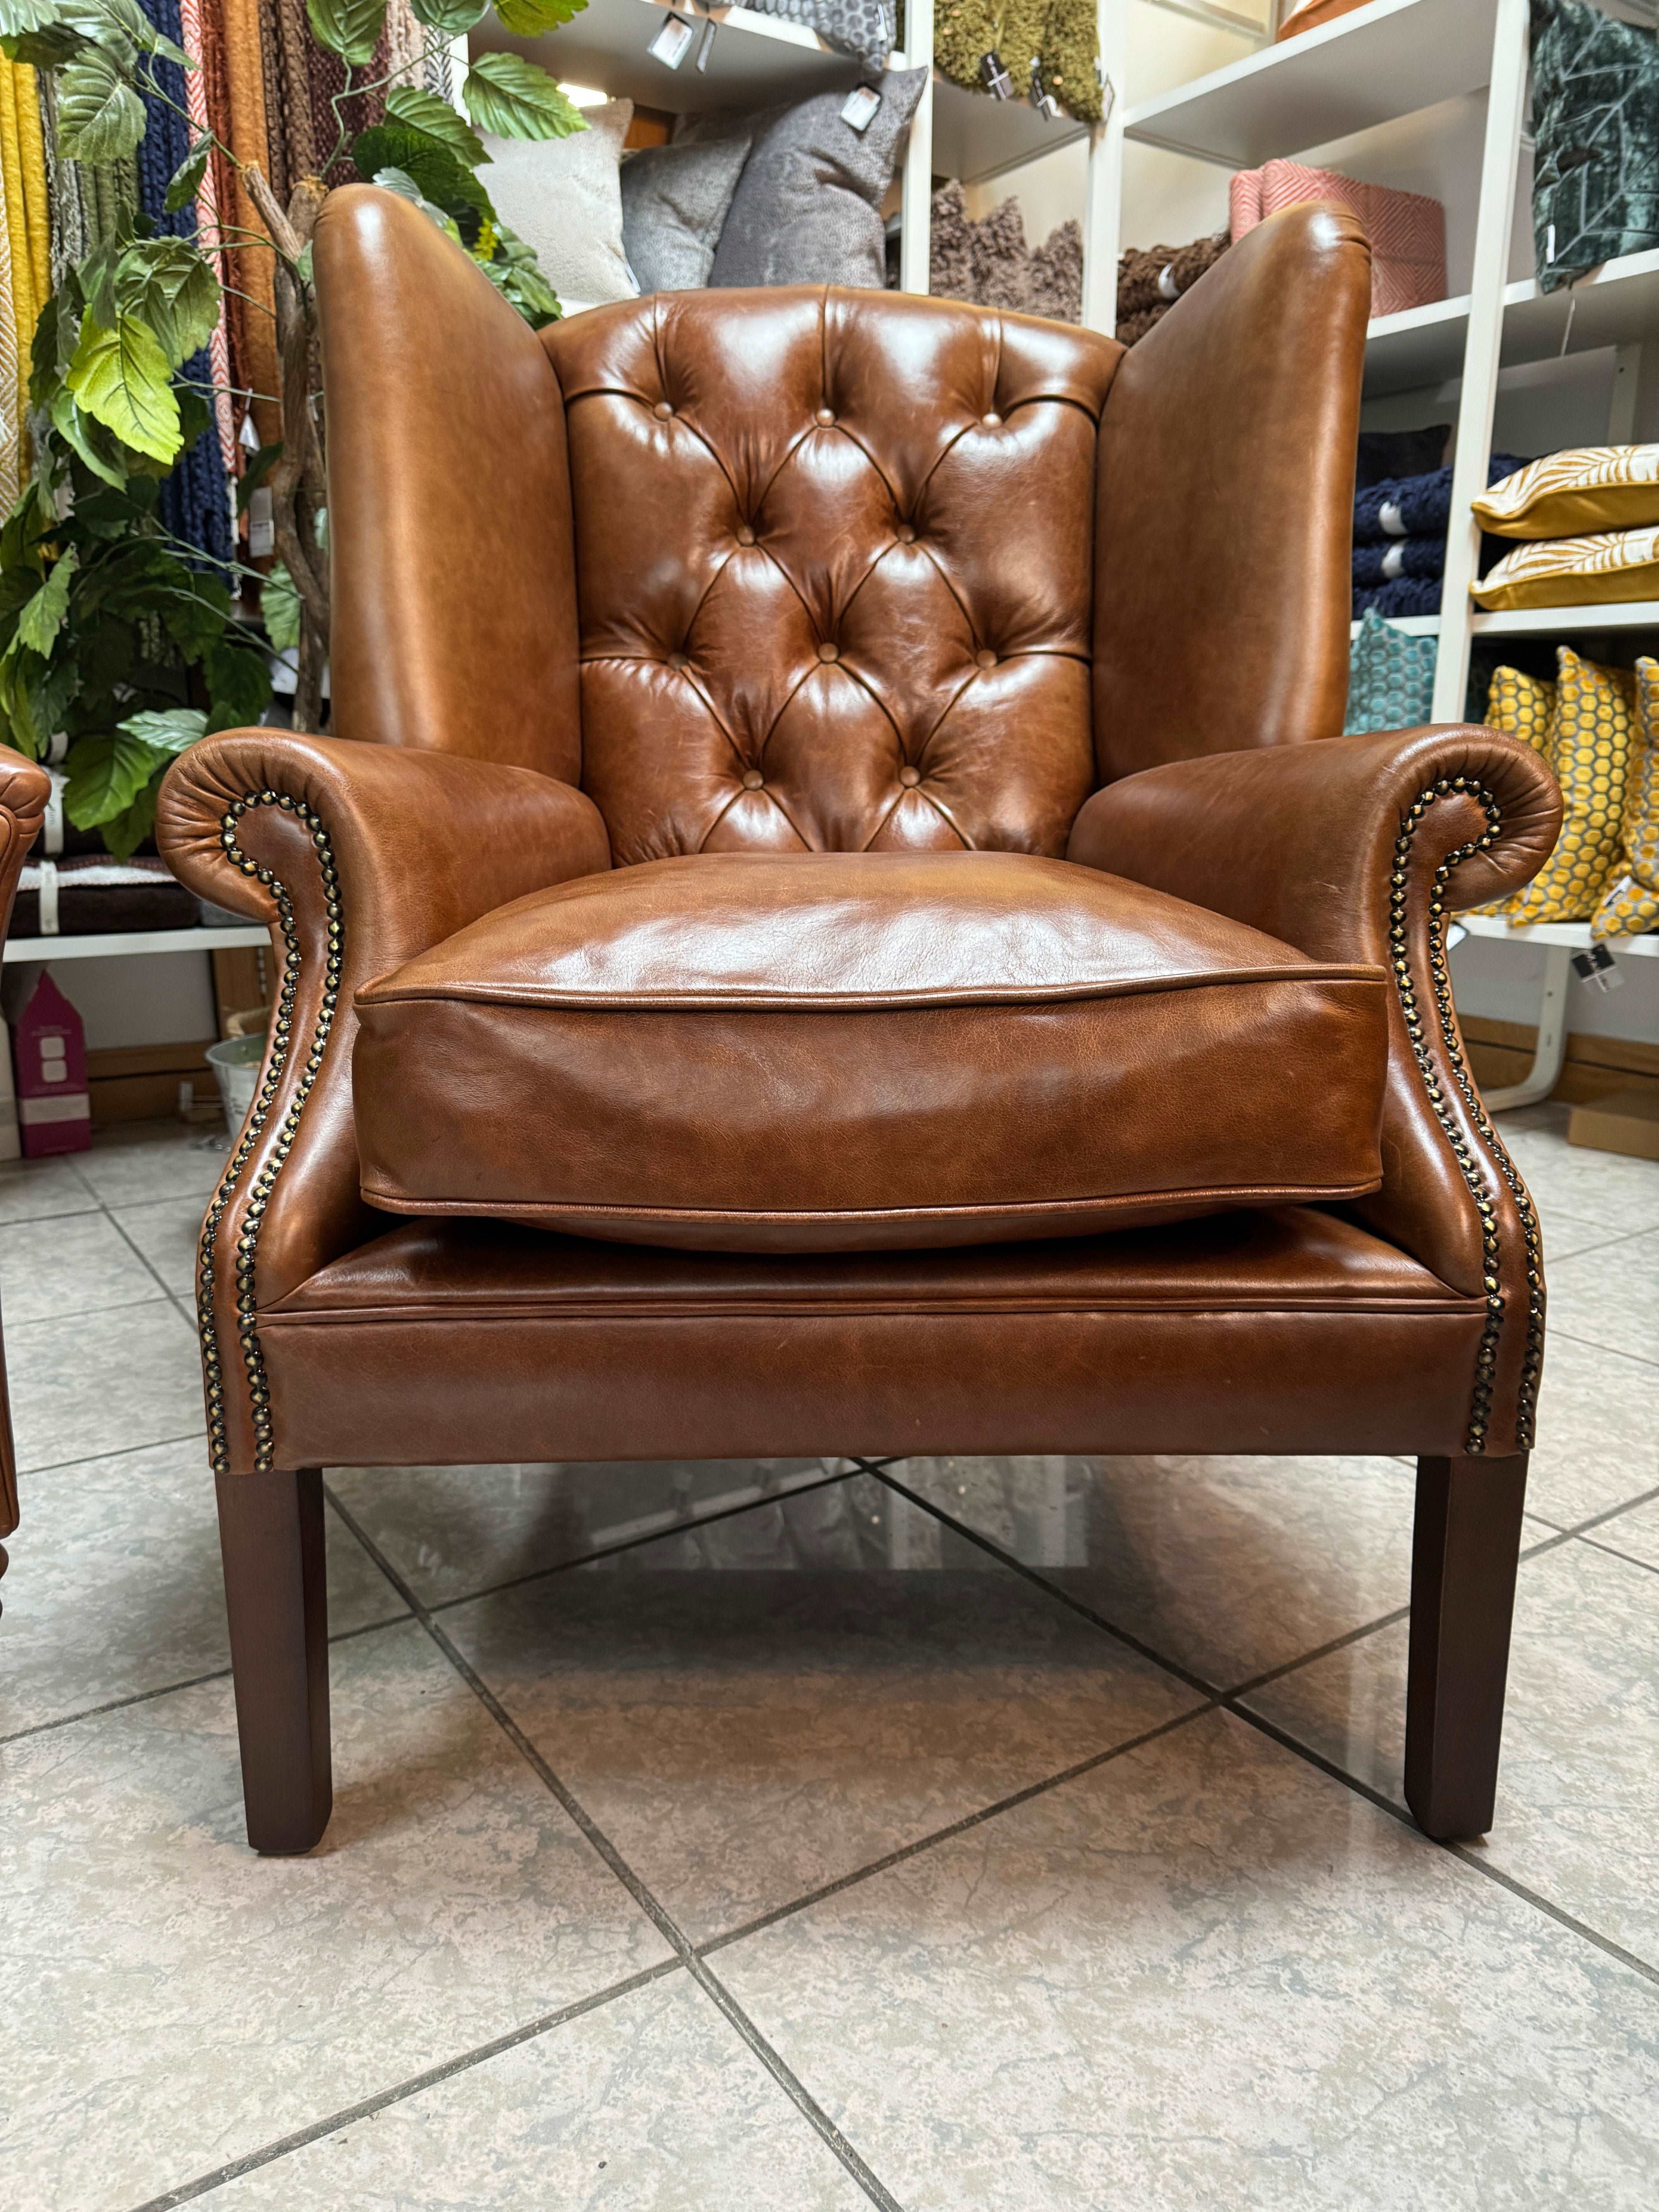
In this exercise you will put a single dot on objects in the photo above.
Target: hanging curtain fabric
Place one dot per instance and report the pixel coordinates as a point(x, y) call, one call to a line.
point(193, 502)
point(208, 235)
point(10, 383)
point(236, 100)
point(28, 235)
point(405, 42)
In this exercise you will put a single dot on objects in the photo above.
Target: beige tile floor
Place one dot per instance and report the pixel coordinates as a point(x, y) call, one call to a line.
point(978, 1833)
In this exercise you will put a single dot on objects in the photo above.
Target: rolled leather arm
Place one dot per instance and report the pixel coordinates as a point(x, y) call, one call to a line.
point(24, 791)
point(1355, 849)
point(357, 857)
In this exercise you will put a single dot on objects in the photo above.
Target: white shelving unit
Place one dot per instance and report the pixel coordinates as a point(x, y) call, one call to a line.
point(125, 944)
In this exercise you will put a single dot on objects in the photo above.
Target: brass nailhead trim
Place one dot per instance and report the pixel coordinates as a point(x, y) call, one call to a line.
point(1400, 959)
point(276, 1063)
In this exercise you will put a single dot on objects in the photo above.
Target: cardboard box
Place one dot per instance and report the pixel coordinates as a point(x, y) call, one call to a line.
point(1623, 1121)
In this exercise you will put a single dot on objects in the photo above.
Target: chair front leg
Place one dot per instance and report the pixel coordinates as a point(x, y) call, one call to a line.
point(1465, 1548)
point(270, 1534)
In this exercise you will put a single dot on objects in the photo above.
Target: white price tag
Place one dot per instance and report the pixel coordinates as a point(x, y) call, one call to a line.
point(671, 43)
point(860, 107)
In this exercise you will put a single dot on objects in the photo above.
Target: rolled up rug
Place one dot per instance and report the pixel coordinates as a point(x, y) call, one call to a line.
point(1402, 556)
point(1415, 507)
point(1408, 595)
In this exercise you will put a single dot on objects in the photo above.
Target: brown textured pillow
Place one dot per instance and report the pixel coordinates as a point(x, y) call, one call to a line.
point(988, 262)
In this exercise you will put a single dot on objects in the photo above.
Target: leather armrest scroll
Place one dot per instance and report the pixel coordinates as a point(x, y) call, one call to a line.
point(1356, 848)
point(24, 791)
point(357, 857)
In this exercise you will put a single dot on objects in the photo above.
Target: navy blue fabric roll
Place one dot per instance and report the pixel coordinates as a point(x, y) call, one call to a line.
point(1405, 556)
point(1409, 595)
point(193, 501)
point(1421, 507)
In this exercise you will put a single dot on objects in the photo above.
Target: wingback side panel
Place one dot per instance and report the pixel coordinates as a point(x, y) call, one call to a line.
point(455, 608)
point(1226, 517)
point(835, 559)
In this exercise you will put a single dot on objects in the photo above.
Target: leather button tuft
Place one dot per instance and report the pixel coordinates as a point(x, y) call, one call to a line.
point(662, 410)
point(752, 779)
point(990, 422)
point(824, 417)
point(906, 533)
point(678, 660)
point(745, 535)
point(909, 777)
point(986, 658)
point(828, 652)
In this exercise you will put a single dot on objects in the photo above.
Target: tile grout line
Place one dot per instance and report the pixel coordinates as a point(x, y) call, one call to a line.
point(666, 1926)
point(1590, 1344)
point(250, 2162)
point(1227, 1701)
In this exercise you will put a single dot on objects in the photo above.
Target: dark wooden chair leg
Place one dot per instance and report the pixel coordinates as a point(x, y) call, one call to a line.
point(270, 1533)
point(1465, 1546)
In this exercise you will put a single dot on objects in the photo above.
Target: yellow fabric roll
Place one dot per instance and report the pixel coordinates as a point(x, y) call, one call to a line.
point(1575, 572)
point(1594, 728)
point(37, 206)
point(1574, 492)
point(1630, 904)
point(25, 307)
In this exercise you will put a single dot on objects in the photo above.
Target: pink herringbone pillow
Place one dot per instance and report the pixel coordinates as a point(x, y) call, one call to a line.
point(1407, 231)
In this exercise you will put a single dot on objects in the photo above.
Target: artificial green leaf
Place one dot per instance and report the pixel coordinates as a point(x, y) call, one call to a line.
point(75, 431)
point(351, 28)
point(425, 110)
point(167, 285)
point(32, 32)
point(16, 713)
point(101, 119)
point(436, 172)
point(96, 279)
point(43, 617)
point(169, 730)
point(187, 177)
point(530, 18)
point(193, 606)
point(194, 416)
point(105, 513)
point(239, 683)
point(279, 604)
point(106, 772)
point(302, 267)
point(120, 377)
point(399, 181)
point(47, 362)
point(257, 469)
point(515, 99)
point(124, 833)
point(452, 17)
point(523, 286)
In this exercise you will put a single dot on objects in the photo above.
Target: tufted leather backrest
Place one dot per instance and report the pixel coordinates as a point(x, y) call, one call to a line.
point(834, 562)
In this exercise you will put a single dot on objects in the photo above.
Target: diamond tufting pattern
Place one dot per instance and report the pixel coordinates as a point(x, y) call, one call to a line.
point(835, 561)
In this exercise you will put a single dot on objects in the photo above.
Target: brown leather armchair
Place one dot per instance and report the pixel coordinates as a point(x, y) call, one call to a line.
point(824, 931)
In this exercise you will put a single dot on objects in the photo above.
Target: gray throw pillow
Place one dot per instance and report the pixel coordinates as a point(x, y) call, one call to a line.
point(674, 201)
point(807, 210)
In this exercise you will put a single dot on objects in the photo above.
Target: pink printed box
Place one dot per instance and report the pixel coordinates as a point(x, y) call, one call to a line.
point(1407, 231)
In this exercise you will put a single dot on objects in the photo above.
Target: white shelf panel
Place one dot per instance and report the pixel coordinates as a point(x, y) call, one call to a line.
point(975, 137)
point(1544, 621)
point(757, 61)
point(1574, 935)
point(1385, 61)
point(1423, 345)
point(1618, 302)
point(124, 944)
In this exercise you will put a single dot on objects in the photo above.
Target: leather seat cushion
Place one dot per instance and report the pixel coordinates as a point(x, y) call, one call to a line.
point(845, 1051)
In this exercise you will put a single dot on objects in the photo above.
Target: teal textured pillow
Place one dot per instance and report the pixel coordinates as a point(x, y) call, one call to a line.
point(1390, 679)
point(1596, 129)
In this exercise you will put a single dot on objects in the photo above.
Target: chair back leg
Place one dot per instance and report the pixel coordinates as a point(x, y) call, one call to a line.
point(1465, 1548)
point(270, 1534)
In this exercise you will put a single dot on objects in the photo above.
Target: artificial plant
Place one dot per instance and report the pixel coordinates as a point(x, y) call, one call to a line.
point(111, 632)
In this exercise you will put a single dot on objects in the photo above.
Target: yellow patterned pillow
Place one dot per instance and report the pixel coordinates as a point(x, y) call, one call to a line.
point(1575, 572)
point(1595, 726)
point(1630, 904)
point(1566, 495)
point(1525, 706)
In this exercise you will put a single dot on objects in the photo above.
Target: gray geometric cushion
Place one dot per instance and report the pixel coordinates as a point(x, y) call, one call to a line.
point(807, 209)
point(1595, 124)
point(674, 203)
point(865, 28)
point(1390, 679)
